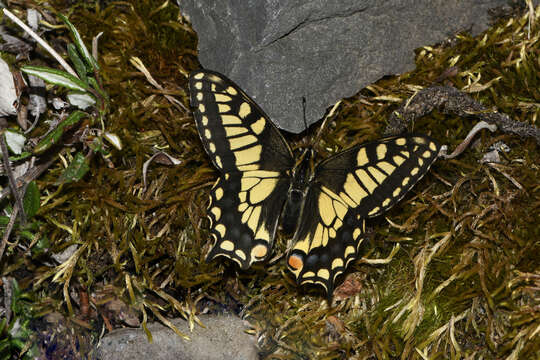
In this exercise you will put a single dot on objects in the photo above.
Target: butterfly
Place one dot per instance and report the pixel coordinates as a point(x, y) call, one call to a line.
point(323, 206)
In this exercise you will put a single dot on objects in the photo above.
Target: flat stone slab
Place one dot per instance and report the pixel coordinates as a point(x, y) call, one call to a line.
point(223, 338)
point(281, 51)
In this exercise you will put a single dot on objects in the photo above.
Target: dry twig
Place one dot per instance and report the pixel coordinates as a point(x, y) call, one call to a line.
point(450, 100)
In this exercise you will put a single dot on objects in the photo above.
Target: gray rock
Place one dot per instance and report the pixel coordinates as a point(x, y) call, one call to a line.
point(325, 50)
point(223, 338)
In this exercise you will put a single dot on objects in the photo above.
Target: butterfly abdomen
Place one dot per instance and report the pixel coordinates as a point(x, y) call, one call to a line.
point(300, 183)
point(292, 211)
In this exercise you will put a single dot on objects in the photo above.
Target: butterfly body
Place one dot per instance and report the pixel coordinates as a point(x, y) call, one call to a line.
point(299, 185)
point(261, 184)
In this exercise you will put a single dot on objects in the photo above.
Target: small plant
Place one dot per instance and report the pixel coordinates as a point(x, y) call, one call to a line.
point(84, 85)
point(16, 335)
point(89, 102)
point(82, 120)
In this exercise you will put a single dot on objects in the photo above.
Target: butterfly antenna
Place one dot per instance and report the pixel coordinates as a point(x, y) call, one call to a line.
point(304, 111)
point(323, 125)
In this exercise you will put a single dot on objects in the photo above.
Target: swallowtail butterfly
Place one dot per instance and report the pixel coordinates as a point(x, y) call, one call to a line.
point(324, 206)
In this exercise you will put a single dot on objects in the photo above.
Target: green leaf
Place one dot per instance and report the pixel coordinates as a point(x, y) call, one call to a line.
point(73, 118)
point(52, 137)
point(23, 155)
point(16, 290)
point(41, 245)
point(31, 199)
point(17, 342)
point(92, 81)
point(4, 220)
point(28, 235)
point(97, 146)
point(88, 58)
point(56, 77)
point(75, 170)
point(77, 62)
point(5, 345)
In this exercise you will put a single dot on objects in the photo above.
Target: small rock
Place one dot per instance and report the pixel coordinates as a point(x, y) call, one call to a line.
point(351, 286)
point(63, 256)
point(33, 17)
point(37, 103)
point(335, 327)
point(223, 338)
point(493, 155)
point(123, 312)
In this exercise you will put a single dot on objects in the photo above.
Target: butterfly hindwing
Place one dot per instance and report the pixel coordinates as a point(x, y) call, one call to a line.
point(327, 239)
point(253, 158)
point(362, 182)
point(244, 211)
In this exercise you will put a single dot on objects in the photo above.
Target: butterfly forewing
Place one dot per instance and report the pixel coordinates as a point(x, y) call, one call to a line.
point(253, 158)
point(364, 181)
point(235, 132)
point(372, 177)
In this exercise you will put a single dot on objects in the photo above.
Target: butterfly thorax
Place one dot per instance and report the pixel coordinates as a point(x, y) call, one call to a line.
point(301, 176)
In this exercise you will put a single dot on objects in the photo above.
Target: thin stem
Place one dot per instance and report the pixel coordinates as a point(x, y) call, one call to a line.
point(323, 125)
point(8, 230)
point(30, 175)
point(42, 42)
point(11, 177)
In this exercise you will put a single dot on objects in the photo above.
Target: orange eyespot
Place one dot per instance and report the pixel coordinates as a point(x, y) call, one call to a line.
point(295, 262)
